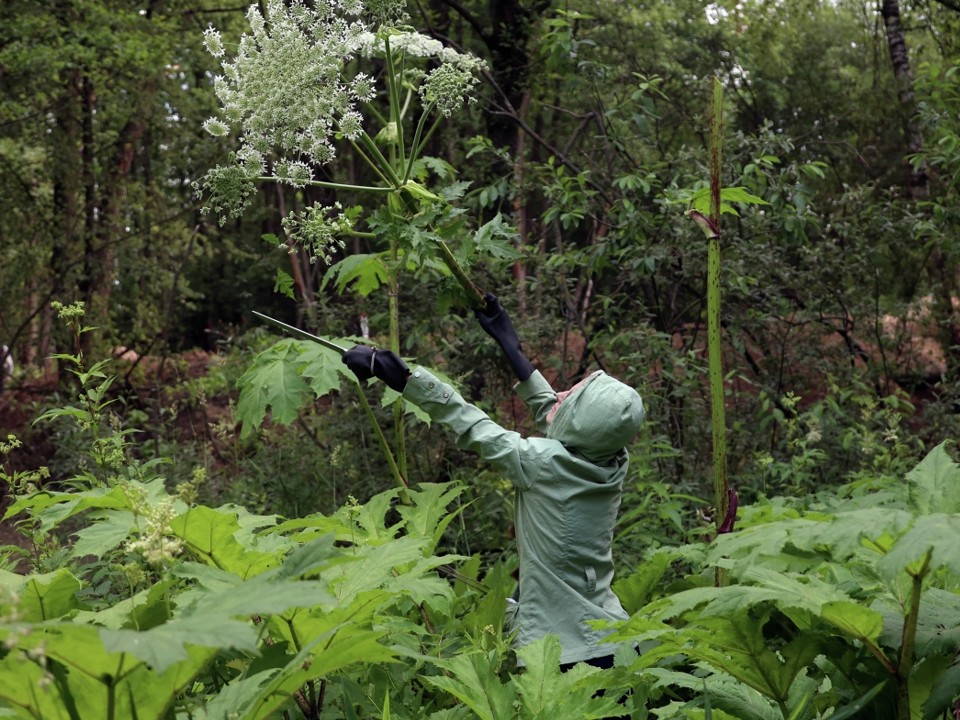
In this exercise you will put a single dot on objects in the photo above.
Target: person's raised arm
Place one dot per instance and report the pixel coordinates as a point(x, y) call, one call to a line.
point(496, 322)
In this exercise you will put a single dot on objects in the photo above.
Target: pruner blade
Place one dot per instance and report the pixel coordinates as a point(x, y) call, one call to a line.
point(303, 334)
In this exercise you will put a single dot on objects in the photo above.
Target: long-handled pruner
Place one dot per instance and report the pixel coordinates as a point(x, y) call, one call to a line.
point(301, 333)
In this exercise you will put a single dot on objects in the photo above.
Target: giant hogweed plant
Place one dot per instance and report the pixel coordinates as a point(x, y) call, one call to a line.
point(306, 83)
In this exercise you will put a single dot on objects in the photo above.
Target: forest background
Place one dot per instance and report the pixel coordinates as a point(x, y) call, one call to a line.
point(585, 146)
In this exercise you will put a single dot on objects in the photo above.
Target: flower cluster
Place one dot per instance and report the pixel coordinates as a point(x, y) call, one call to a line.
point(290, 90)
point(155, 543)
point(227, 189)
point(318, 229)
point(285, 86)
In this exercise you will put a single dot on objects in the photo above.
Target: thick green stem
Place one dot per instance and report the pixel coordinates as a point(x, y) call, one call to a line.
point(473, 291)
point(381, 161)
point(400, 441)
point(428, 135)
point(396, 114)
point(414, 149)
point(331, 185)
point(399, 478)
point(719, 425)
point(370, 163)
point(909, 637)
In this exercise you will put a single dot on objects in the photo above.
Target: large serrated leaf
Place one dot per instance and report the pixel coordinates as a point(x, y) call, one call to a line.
point(365, 272)
point(725, 692)
point(321, 367)
point(166, 645)
point(944, 691)
point(105, 534)
point(147, 609)
point(854, 620)
point(211, 535)
point(473, 679)
point(938, 533)
point(88, 678)
point(935, 483)
point(42, 597)
point(546, 692)
point(272, 382)
point(427, 516)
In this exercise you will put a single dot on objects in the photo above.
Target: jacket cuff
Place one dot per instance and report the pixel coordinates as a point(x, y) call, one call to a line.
point(424, 387)
point(533, 385)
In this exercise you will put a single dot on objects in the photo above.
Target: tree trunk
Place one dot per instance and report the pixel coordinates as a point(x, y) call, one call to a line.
point(900, 60)
point(944, 274)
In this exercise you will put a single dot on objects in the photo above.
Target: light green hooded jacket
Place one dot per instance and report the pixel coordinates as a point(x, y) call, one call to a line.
point(568, 486)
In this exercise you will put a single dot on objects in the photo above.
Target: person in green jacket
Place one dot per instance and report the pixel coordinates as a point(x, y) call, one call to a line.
point(568, 483)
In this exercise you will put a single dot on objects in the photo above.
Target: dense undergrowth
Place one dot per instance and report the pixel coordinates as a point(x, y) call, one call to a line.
point(142, 588)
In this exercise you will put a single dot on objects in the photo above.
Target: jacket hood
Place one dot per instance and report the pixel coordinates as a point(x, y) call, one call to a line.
point(599, 419)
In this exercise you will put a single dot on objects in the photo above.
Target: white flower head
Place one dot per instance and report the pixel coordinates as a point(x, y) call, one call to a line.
point(363, 87)
point(294, 172)
point(213, 42)
point(216, 127)
point(448, 86)
point(351, 125)
point(286, 90)
point(286, 80)
point(318, 229)
point(251, 160)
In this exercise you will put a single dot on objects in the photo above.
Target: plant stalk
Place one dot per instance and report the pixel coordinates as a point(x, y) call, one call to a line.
point(399, 478)
point(396, 113)
point(331, 185)
point(416, 140)
point(909, 638)
point(717, 408)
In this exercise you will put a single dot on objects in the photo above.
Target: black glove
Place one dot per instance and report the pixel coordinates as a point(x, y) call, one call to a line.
point(367, 362)
point(497, 324)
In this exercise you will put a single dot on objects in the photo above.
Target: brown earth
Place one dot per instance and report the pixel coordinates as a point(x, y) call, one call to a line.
point(139, 381)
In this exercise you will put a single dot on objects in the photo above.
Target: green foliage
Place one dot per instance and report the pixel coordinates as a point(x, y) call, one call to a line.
point(840, 601)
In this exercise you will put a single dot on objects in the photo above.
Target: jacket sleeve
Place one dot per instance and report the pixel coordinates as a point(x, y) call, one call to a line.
point(538, 396)
point(505, 449)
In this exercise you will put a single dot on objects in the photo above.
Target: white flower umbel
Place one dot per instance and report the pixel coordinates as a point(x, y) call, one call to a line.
point(319, 229)
point(287, 88)
point(298, 84)
point(285, 85)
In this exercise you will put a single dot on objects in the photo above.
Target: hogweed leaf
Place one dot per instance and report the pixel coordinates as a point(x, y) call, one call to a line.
point(427, 517)
point(41, 597)
point(283, 284)
point(109, 530)
point(365, 272)
point(938, 533)
point(727, 694)
point(855, 620)
point(935, 483)
point(474, 680)
point(168, 644)
point(321, 367)
point(546, 692)
point(147, 609)
point(700, 200)
point(84, 671)
point(944, 693)
point(211, 535)
point(272, 382)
